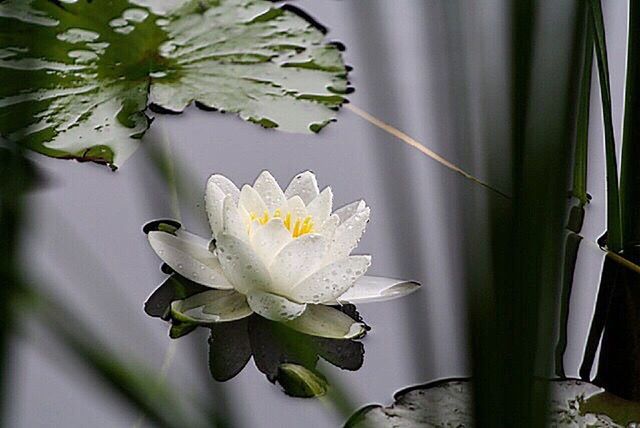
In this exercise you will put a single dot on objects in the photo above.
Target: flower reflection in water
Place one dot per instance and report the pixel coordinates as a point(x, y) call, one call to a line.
point(284, 355)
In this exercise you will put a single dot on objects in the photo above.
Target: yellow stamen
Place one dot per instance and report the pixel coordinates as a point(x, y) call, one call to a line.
point(297, 227)
point(287, 221)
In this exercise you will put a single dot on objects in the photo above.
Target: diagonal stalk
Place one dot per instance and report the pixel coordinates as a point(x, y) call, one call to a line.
point(141, 389)
point(421, 147)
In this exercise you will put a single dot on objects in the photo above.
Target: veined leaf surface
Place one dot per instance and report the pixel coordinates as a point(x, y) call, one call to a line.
point(78, 75)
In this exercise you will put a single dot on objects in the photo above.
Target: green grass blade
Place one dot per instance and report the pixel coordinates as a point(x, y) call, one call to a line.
point(16, 176)
point(579, 191)
point(515, 271)
point(141, 389)
point(582, 132)
point(497, 387)
point(614, 218)
point(14, 180)
point(630, 165)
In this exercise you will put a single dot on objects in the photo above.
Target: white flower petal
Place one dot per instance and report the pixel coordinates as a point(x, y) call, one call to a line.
point(270, 191)
point(328, 228)
point(273, 307)
point(376, 289)
point(347, 235)
point(303, 185)
point(267, 240)
point(331, 281)
point(297, 260)
point(218, 187)
point(211, 306)
point(198, 242)
point(320, 208)
point(251, 201)
point(235, 220)
point(226, 185)
point(213, 201)
point(241, 265)
point(348, 210)
point(325, 321)
point(189, 256)
point(297, 208)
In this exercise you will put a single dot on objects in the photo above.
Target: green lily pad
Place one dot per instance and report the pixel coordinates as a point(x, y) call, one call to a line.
point(448, 402)
point(619, 410)
point(78, 75)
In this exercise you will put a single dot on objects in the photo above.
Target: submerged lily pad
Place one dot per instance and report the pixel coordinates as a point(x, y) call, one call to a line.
point(78, 75)
point(443, 403)
point(285, 356)
point(173, 288)
point(447, 403)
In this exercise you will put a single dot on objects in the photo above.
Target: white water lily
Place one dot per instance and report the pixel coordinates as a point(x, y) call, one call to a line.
point(281, 254)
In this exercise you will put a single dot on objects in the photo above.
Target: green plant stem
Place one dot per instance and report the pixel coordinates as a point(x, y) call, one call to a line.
point(499, 387)
point(512, 336)
point(614, 218)
point(580, 166)
point(630, 165)
point(579, 191)
point(142, 390)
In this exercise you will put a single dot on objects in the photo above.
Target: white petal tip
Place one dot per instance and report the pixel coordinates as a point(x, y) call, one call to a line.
point(377, 289)
point(265, 175)
point(400, 289)
point(357, 329)
point(215, 177)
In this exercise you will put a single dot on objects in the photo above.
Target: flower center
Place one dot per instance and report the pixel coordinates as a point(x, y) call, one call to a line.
point(297, 227)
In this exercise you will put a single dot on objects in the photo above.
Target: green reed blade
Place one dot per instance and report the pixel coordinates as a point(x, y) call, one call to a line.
point(630, 165)
point(614, 219)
